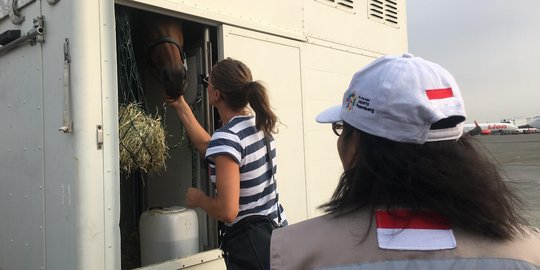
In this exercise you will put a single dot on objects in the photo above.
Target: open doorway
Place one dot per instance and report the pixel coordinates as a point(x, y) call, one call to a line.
point(140, 83)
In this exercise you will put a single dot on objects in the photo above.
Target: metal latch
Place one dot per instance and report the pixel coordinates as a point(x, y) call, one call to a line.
point(99, 137)
point(35, 35)
point(67, 123)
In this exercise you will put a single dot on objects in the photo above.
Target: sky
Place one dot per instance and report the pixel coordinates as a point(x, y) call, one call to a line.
point(491, 47)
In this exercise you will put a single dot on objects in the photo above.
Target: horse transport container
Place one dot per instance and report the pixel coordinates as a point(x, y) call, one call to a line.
point(66, 201)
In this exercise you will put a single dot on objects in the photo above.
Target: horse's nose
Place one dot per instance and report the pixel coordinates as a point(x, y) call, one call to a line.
point(174, 79)
point(174, 74)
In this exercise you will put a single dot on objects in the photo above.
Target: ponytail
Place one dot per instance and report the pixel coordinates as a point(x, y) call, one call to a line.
point(233, 78)
point(265, 118)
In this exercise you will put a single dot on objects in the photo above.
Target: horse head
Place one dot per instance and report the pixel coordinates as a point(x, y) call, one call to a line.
point(164, 53)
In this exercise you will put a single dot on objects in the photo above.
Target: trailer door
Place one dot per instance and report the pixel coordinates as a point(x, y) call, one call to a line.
point(37, 159)
point(57, 180)
point(276, 62)
point(22, 154)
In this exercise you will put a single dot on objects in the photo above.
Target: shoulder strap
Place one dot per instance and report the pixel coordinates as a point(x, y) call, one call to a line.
point(268, 152)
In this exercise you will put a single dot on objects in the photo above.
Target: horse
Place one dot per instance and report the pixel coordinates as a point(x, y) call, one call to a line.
point(161, 40)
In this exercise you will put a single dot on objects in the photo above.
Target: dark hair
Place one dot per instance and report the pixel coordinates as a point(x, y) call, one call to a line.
point(452, 178)
point(233, 79)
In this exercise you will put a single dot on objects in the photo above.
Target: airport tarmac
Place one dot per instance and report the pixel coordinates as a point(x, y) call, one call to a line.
point(519, 156)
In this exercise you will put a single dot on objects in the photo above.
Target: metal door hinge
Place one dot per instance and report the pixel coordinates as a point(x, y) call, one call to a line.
point(39, 26)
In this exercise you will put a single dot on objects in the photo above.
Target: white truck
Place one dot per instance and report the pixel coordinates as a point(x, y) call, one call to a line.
point(64, 201)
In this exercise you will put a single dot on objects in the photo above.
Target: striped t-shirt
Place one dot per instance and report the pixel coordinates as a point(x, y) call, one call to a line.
point(241, 140)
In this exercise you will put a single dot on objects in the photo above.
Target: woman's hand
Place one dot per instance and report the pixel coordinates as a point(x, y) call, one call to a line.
point(175, 103)
point(194, 197)
point(196, 133)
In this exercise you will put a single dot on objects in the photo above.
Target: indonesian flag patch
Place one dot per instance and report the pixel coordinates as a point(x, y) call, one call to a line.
point(403, 229)
point(439, 93)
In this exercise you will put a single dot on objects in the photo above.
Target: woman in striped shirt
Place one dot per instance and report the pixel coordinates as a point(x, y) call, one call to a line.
point(237, 153)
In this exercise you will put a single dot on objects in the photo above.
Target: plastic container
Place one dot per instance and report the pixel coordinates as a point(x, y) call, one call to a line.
point(168, 233)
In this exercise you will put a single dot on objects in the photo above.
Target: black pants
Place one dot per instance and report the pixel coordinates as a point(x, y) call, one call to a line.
point(246, 245)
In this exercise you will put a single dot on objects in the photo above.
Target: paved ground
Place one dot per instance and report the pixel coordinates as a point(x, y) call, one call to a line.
point(519, 156)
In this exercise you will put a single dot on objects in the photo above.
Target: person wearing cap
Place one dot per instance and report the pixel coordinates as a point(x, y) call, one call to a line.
point(415, 192)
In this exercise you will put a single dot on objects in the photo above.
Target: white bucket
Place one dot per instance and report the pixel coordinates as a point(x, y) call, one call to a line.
point(168, 233)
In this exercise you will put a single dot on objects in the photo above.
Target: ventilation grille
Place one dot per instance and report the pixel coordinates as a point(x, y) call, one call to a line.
point(384, 11)
point(346, 5)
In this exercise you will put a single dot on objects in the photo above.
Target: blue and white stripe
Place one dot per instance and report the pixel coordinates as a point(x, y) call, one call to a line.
point(245, 144)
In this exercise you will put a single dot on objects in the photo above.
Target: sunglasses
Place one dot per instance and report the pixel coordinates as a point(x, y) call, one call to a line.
point(337, 127)
point(205, 82)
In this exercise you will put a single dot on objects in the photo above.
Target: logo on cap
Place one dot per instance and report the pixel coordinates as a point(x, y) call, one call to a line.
point(359, 102)
point(351, 101)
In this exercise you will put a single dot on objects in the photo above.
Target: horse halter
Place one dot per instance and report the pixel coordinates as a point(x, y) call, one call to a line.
point(167, 39)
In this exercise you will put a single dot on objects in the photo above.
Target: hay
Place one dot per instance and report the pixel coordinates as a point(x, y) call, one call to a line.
point(142, 140)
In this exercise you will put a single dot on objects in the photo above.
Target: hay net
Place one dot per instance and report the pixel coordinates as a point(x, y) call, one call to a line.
point(142, 140)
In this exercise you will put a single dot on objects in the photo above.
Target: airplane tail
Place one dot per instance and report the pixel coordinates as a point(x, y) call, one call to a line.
point(477, 130)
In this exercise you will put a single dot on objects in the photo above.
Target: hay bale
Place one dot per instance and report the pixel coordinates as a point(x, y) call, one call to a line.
point(142, 140)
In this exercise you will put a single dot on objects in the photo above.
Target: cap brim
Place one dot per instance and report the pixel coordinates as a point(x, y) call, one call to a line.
point(445, 134)
point(330, 115)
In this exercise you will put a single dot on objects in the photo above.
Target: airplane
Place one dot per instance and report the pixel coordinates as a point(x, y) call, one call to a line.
point(535, 122)
point(490, 128)
point(532, 125)
point(528, 130)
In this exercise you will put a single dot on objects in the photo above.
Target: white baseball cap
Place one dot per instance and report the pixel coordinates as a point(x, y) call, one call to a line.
point(399, 98)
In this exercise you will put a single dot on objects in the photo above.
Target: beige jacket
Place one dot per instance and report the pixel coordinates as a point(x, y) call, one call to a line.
point(335, 243)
